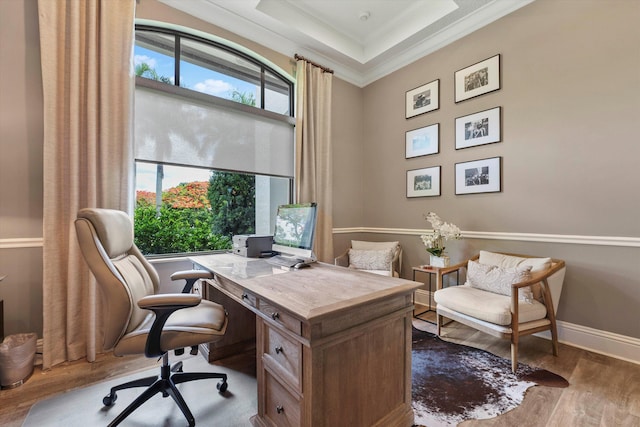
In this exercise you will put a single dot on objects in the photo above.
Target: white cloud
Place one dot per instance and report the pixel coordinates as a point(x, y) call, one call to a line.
point(139, 59)
point(213, 87)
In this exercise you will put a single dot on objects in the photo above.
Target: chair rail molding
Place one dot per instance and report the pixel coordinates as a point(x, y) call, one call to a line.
point(496, 235)
point(22, 242)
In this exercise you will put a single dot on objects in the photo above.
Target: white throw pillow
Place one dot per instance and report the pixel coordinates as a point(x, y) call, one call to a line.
point(511, 261)
point(504, 261)
point(497, 279)
point(370, 260)
point(373, 246)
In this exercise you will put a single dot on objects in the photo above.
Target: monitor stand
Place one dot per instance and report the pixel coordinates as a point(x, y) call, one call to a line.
point(291, 260)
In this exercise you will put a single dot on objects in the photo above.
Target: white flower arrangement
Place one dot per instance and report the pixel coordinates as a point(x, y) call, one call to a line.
point(442, 231)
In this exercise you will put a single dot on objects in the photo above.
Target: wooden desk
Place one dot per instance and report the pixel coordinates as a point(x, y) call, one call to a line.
point(333, 345)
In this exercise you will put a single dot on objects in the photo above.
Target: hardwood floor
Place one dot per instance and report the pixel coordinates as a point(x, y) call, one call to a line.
point(603, 391)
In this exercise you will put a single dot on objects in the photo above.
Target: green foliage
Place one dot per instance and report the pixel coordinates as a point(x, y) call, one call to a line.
point(232, 197)
point(175, 230)
point(243, 98)
point(145, 70)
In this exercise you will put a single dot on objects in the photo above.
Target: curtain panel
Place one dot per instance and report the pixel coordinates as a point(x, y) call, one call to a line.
point(313, 166)
point(88, 85)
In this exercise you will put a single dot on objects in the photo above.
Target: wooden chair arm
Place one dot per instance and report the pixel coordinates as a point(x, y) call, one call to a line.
point(342, 260)
point(451, 268)
point(540, 276)
point(396, 262)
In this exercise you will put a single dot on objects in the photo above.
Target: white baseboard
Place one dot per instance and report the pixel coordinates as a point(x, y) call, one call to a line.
point(602, 342)
point(594, 340)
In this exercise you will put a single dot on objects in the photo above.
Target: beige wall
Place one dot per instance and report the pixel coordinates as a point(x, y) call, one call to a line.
point(570, 96)
point(20, 166)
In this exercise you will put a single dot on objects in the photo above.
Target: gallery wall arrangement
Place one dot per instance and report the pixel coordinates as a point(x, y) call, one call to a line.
point(471, 130)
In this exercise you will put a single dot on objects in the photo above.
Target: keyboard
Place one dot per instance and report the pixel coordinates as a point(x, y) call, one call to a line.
point(283, 261)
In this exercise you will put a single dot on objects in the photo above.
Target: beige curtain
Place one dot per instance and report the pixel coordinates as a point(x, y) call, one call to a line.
point(88, 85)
point(313, 150)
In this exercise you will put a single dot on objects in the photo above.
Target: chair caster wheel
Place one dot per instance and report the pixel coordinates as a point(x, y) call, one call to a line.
point(110, 399)
point(222, 386)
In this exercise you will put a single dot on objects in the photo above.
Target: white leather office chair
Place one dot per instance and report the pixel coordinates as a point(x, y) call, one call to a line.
point(139, 321)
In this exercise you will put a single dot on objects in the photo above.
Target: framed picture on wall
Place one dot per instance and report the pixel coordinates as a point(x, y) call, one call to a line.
point(477, 79)
point(422, 99)
point(479, 176)
point(423, 182)
point(479, 128)
point(423, 141)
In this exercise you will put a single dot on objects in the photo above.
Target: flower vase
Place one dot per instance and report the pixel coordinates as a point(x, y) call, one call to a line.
point(439, 261)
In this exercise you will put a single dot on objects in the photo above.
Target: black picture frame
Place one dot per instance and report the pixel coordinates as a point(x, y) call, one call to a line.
point(424, 182)
point(422, 99)
point(481, 128)
point(478, 79)
point(422, 141)
point(479, 176)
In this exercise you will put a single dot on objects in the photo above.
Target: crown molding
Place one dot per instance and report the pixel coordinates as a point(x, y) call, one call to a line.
point(276, 36)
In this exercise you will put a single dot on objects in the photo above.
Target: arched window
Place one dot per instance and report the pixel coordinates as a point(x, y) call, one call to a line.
point(214, 140)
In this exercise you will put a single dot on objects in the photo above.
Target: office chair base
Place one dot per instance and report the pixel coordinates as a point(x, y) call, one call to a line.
point(165, 384)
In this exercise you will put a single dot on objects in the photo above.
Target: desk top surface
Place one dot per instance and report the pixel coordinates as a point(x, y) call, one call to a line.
point(309, 292)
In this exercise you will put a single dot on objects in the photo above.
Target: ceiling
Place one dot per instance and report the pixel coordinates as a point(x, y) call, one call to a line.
point(361, 40)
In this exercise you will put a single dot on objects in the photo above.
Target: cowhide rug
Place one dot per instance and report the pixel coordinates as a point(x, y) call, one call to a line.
point(453, 383)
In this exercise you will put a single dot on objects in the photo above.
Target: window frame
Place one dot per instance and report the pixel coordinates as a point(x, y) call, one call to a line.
point(227, 46)
point(267, 72)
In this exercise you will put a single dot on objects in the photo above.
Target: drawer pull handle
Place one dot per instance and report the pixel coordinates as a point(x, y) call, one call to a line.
point(279, 349)
point(279, 409)
point(245, 296)
point(275, 316)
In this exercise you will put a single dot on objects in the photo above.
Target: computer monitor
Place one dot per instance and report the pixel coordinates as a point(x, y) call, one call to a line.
point(295, 231)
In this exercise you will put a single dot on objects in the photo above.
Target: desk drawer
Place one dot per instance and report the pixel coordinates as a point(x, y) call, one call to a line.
point(281, 407)
point(236, 291)
point(283, 355)
point(281, 318)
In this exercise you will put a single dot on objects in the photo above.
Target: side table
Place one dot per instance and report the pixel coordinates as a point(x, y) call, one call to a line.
point(439, 273)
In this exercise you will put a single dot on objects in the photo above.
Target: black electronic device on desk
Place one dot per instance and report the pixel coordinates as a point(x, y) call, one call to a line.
point(294, 235)
point(252, 245)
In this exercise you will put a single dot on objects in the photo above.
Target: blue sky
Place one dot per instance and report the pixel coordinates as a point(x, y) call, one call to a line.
point(193, 76)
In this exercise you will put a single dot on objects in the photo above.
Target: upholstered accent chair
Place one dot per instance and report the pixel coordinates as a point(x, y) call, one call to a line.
point(384, 258)
point(138, 320)
point(505, 295)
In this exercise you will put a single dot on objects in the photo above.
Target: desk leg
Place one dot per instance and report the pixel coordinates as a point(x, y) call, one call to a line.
point(240, 336)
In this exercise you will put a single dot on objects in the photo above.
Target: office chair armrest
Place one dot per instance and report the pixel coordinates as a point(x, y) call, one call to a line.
point(169, 301)
point(163, 305)
point(191, 276)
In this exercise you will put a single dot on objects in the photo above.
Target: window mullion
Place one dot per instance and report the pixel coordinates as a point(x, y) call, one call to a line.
point(177, 54)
